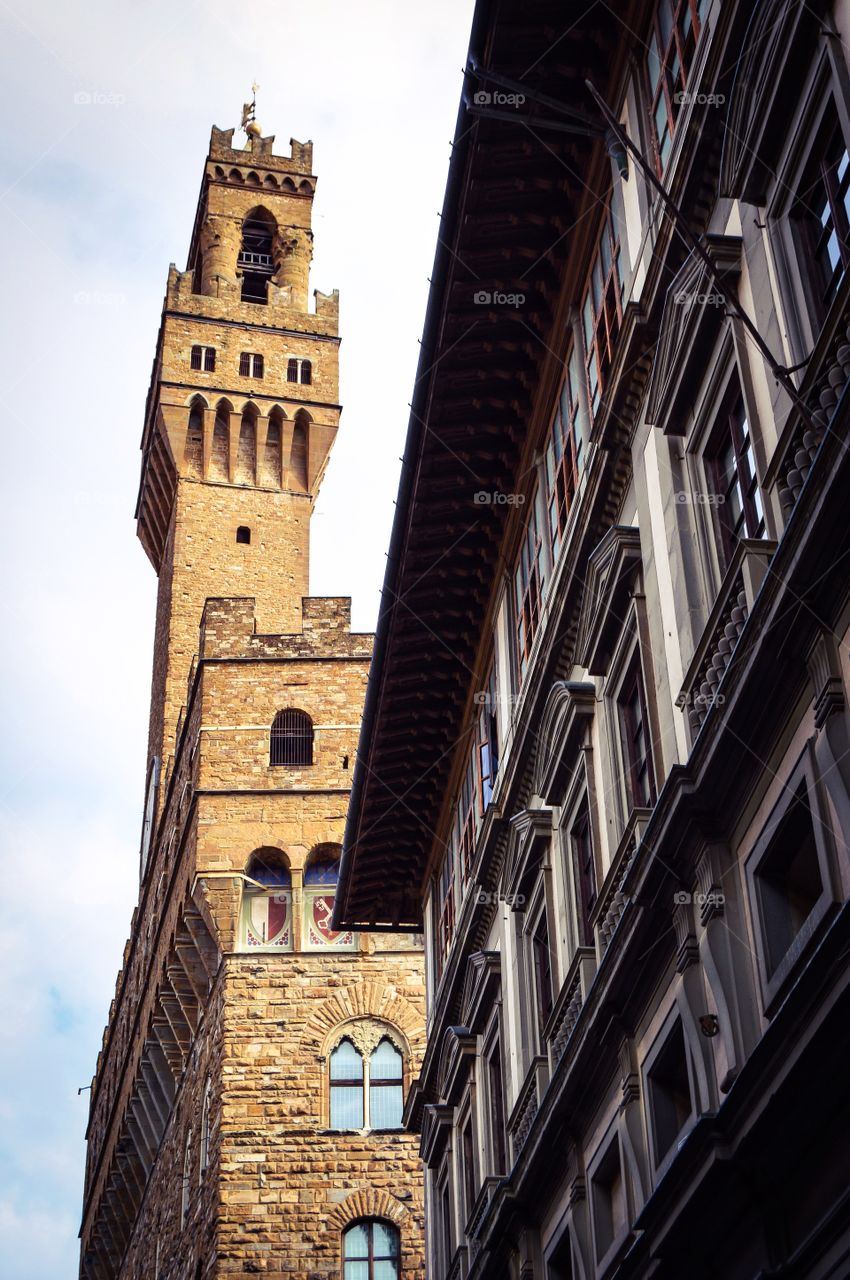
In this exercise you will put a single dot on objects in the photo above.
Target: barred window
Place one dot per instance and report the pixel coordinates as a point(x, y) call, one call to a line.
point(292, 371)
point(203, 358)
point(251, 365)
point(291, 738)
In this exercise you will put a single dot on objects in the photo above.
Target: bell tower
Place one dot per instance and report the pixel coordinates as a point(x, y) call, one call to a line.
point(246, 1108)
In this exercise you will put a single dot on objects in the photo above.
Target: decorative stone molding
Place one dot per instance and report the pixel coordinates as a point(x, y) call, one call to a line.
point(365, 1034)
point(483, 982)
point(528, 843)
point(611, 569)
point(437, 1123)
point(456, 1058)
point(746, 168)
point(687, 946)
point(694, 310)
point(362, 1000)
point(366, 1202)
point(569, 1004)
point(569, 709)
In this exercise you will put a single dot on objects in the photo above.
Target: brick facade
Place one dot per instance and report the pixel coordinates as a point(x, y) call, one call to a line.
point(210, 1151)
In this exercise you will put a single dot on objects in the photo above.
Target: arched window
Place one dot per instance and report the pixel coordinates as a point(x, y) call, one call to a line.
point(346, 1087)
point(306, 372)
point(366, 1094)
point(291, 738)
point(370, 1251)
point(206, 1113)
point(243, 535)
point(194, 451)
point(386, 1090)
point(267, 903)
point(298, 453)
point(186, 1183)
point(255, 258)
point(292, 370)
point(320, 877)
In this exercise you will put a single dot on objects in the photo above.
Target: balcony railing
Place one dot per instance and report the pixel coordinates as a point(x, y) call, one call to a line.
point(527, 1104)
point(568, 1005)
point(701, 688)
point(479, 1215)
point(826, 378)
point(612, 900)
point(249, 259)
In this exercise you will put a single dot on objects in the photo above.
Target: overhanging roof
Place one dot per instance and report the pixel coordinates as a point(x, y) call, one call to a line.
point(514, 194)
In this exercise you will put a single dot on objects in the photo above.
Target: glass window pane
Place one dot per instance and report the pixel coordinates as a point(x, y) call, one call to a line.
point(385, 1270)
point(357, 1271)
point(385, 1106)
point(346, 1107)
point(346, 1063)
point(357, 1241)
point(653, 63)
point(385, 1063)
point(385, 1239)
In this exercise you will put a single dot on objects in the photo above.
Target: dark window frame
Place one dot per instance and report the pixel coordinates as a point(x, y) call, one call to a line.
point(653, 1068)
point(822, 201)
point(372, 1257)
point(528, 588)
point(774, 974)
point(602, 310)
point(733, 474)
point(350, 1082)
point(672, 52)
point(631, 695)
point(497, 1120)
point(543, 976)
point(585, 878)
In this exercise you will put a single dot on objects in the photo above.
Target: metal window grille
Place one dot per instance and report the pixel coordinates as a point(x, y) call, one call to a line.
point(291, 738)
point(209, 359)
point(258, 366)
point(196, 357)
point(292, 371)
point(245, 364)
point(306, 372)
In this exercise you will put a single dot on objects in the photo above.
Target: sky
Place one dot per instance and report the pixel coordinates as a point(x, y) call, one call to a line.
point(108, 107)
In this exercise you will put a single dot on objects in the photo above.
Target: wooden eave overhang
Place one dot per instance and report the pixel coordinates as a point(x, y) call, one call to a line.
point(511, 221)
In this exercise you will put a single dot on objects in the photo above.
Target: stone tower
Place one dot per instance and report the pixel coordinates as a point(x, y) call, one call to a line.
point(246, 1109)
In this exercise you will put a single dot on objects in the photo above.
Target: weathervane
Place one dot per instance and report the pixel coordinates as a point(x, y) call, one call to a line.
point(249, 115)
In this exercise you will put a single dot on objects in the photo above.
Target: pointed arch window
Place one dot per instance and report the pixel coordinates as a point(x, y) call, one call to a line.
point(370, 1251)
point(267, 903)
point(291, 738)
point(386, 1086)
point(346, 1081)
point(366, 1093)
